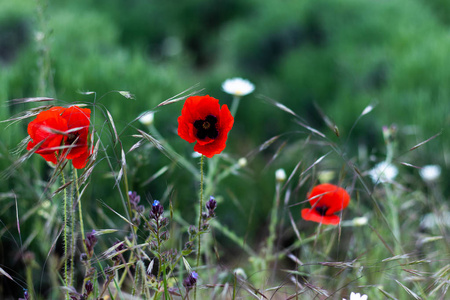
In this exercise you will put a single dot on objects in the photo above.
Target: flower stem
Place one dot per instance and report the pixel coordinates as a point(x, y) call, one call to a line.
point(273, 225)
point(66, 274)
point(80, 211)
point(72, 236)
point(199, 218)
point(235, 105)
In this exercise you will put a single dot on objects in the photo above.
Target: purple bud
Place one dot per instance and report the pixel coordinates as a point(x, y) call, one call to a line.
point(194, 275)
point(211, 203)
point(165, 236)
point(83, 257)
point(134, 199)
point(192, 230)
point(157, 210)
point(89, 287)
point(120, 246)
point(90, 241)
point(211, 206)
point(190, 281)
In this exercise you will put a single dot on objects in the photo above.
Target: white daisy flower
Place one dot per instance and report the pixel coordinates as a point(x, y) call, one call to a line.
point(383, 172)
point(238, 86)
point(430, 172)
point(147, 118)
point(357, 296)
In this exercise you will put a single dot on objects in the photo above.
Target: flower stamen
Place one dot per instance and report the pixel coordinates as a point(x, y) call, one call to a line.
point(206, 128)
point(321, 210)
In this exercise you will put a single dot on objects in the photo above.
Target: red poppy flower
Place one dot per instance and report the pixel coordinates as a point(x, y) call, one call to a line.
point(63, 132)
point(203, 121)
point(326, 199)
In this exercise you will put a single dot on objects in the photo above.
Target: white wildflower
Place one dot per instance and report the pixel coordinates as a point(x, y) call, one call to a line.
point(280, 175)
point(242, 162)
point(383, 172)
point(147, 118)
point(326, 176)
point(357, 296)
point(238, 86)
point(360, 221)
point(430, 172)
point(196, 154)
point(239, 272)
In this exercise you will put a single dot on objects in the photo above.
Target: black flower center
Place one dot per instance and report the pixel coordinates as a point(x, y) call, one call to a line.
point(321, 210)
point(206, 128)
point(72, 137)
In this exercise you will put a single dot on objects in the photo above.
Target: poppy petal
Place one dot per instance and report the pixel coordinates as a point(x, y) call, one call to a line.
point(200, 109)
point(329, 195)
point(59, 127)
point(312, 215)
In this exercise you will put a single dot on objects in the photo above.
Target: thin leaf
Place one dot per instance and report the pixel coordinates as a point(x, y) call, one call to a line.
point(31, 100)
point(315, 163)
point(426, 141)
point(292, 174)
point(267, 143)
point(367, 110)
point(410, 165)
point(387, 294)
point(332, 125)
point(280, 106)
point(126, 94)
point(156, 175)
point(397, 257)
point(178, 97)
point(408, 290)
point(113, 127)
point(310, 129)
point(3, 272)
point(62, 188)
point(119, 215)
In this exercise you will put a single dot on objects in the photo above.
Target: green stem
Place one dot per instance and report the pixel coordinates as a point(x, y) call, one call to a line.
point(72, 236)
point(273, 223)
point(200, 218)
point(235, 105)
point(66, 276)
point(80, 214)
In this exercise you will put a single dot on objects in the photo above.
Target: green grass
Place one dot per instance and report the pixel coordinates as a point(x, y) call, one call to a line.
point(325, 60)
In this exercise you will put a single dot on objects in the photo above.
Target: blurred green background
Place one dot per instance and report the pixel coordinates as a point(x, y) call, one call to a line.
point(336, 55)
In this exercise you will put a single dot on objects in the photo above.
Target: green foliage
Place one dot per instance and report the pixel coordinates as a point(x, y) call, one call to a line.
point(326, 60)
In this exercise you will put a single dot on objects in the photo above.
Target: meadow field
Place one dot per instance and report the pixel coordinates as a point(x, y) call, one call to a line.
point(230, 149)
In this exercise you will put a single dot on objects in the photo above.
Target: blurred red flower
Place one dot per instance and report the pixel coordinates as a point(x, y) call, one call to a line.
point(326, 199)
point(63, 133)
point(203, 121)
